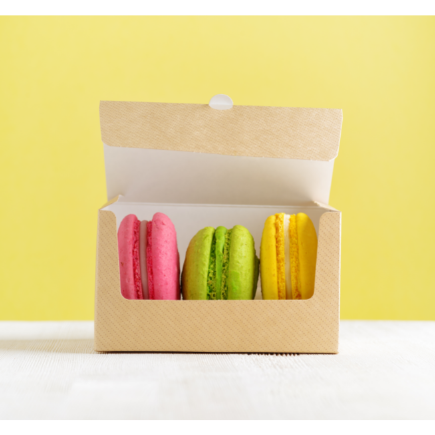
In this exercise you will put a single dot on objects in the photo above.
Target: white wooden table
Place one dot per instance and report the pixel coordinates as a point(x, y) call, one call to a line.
point(384, 370)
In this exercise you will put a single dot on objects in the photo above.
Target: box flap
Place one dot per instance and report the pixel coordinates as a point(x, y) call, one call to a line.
point(191, 153)
point(275, 132)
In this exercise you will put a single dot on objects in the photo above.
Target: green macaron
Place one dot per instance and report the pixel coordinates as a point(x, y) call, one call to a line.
point(220, 264)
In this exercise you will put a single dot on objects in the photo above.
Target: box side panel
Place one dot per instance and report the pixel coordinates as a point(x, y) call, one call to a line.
point(107, 282)
point(327, 281)
point(309, 326)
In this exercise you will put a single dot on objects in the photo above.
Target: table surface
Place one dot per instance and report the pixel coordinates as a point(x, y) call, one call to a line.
point(385, 370)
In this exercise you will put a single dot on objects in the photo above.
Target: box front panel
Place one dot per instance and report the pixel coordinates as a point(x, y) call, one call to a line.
point(309, 326)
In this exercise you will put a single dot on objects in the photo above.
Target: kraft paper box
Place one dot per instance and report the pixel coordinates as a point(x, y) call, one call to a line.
point(207, 167)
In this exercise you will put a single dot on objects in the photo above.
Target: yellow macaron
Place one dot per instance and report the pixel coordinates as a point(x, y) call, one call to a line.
point(288, 257)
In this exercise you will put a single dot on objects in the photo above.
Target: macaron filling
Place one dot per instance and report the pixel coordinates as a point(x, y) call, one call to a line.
point(143, 258)
point(225, 264)
point(219, 234)
point(287, 256)
point(280, 255)
point(217, 288)
point(218, 265)
point(136, 261)
point(288, 281)
point(294, 258)
point(211, 276)
point(149, 260)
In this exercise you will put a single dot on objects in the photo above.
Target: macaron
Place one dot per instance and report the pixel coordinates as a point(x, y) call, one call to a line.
point(288, 256)
point(149, 263)
point(220, 264)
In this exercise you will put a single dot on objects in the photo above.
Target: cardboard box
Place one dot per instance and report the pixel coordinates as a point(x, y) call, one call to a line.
point(207, 167)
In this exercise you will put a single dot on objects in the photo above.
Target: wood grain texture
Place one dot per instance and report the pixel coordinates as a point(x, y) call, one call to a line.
point(385, 370)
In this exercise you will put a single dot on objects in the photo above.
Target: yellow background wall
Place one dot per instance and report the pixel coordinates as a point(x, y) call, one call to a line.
point(55, 70)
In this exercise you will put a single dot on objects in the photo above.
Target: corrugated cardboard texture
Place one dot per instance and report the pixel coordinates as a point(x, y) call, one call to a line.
point(275, 132)
point(309, 326)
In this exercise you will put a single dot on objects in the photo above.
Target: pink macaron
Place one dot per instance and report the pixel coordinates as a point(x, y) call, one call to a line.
point(149, 262)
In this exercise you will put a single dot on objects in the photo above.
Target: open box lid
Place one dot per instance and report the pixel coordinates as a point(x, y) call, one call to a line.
point(198, 154)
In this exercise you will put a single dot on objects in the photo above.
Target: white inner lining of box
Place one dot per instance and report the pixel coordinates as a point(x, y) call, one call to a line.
point(160, 176)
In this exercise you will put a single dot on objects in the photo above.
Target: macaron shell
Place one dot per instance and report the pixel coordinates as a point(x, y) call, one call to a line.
point(268, 261)
point(243, 265)
point(196, 263)
point(307, 243)
point(129, 266)
point(165, 259)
